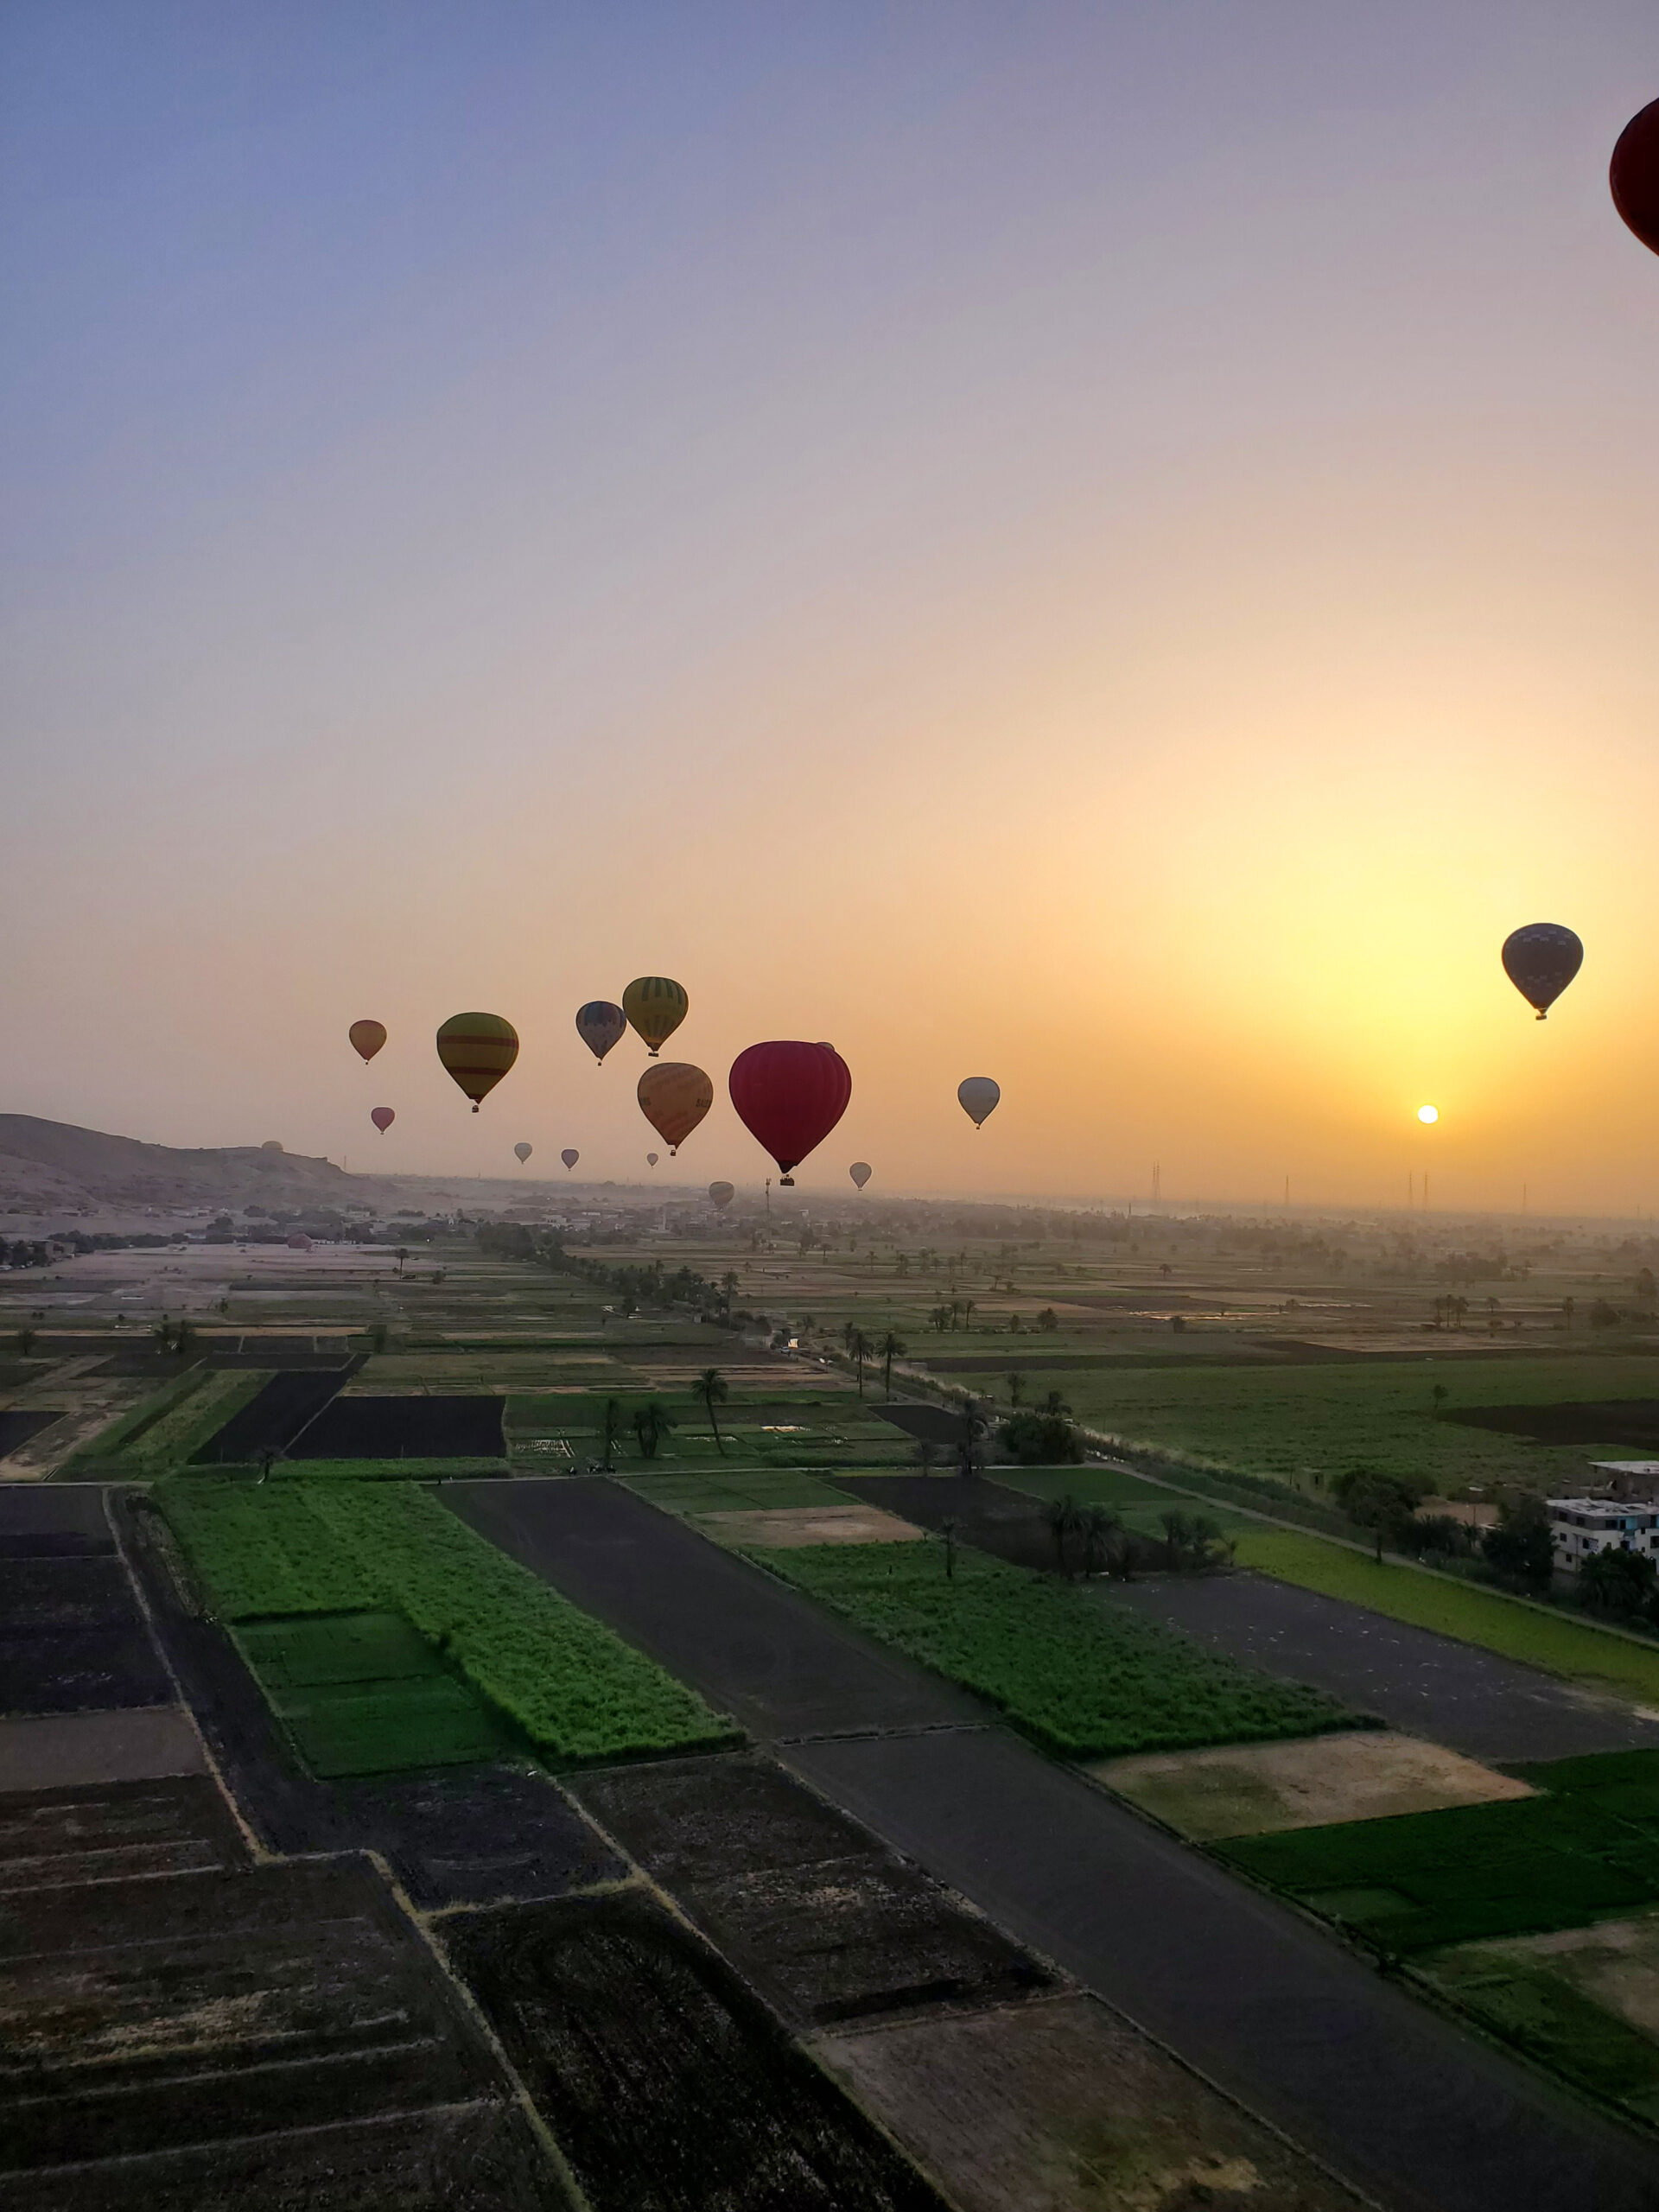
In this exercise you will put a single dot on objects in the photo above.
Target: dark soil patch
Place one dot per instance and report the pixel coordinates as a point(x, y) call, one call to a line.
point(274, 1418)
point(72, 1638)
point(29, 1511)
point(455, 1836)
point(1634, 1421)
point(161, 2014)
point(1003, 1522)
point(17, 1427)
point(52, 1839)
point(812, 1908)
point(936, 1424)
point(668, 2086)
point(406, 1428)
point(472, 2158)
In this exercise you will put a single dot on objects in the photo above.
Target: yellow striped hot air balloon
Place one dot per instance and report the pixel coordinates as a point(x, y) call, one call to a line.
point(477, 1050)
point(674, 1096)
point(656, 1006)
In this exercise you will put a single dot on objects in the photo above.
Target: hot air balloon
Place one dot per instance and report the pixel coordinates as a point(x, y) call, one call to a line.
point(569, 1155)
point(674, 1096)
point(652, 1158)
point(656, 1008)
point(600, 1025)
point(383, 1117)
point(860, 1170)
point(789, 1096)
point(1634, 175)
point(723, 1194)
point(522, 1152)
point(977, 1097)
point(477, 1050)
point(367, 1038)
point(1541, 961)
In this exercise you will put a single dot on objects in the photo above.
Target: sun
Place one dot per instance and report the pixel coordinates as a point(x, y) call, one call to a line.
point(1428, 1114)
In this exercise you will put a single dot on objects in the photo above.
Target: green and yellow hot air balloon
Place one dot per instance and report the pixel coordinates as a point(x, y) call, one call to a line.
point(656, 1006)
point(477, 1050)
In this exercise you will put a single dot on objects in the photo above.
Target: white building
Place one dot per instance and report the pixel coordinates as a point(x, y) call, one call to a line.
point(1581, 1526)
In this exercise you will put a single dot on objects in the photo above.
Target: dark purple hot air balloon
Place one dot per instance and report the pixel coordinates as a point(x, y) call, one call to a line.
point(1541, 961)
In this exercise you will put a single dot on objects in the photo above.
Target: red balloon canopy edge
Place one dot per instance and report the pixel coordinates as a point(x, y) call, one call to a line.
point(789, 1096)
point(1634, 175)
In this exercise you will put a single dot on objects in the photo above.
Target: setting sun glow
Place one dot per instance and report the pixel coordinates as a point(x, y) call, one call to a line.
point(1429, 1113)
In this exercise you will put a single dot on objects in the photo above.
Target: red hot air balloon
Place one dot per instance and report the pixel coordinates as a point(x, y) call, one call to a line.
point(789, 1096)
point(570, 1156)
point(1634, 175)
point(383, 1117)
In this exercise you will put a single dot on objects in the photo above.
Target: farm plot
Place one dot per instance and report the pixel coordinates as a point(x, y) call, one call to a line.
point(185, 1427)
point(19, 1426)
point(749, 1492)
point(577, 1691)
point(1062, 2107)
point(405, 1428)
point(812, 1910)
point(666, 2083)
point(993, 1518)
point(274, 1418)
point(53, 1839)
point(363, 1693)
point(72, 1638)
point(164, 2018)
point(1081, 1678)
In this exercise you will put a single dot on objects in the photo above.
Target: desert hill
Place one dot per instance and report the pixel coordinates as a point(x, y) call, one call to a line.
point(53, 1164)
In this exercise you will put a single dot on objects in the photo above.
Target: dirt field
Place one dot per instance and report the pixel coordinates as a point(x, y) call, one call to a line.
point(782, 1530)
point(819, 1916)
point(1615, 1963)
point(1006, 1523)
point(1256, 1787)
point(66, 1749)
point(1059, 2107)
point(72, 1639)
point(52, 1838)
point(668, 2086)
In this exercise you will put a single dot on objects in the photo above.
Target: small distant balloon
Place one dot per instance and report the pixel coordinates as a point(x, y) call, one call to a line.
point(674, 1096)
point(789, 1096)
point(383, 1117)
point(723, 1194)
point(600, 1025)
point(977, 1097)
point(1634, 175)
point(656, 1006)
point(860, 1170)
point(367, 1038)
point(1541, 961)
point(652, 1158)
point(569, 1155)
point(521, 1152)
point(477, 1050)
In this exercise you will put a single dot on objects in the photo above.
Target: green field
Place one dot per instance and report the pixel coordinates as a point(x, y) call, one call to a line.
point(577, 1691)
point(748, 1492)
point(363, 1693)
point(773, 1430)
point(170, 1425)
point(1557, 1642)
point(1081, 1678)
point(1304, 1425)
point(1533, 2004)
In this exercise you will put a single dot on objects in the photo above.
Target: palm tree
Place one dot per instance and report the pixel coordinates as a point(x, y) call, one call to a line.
point(1063, 1517)
point(925, 1453)
point(891, 1348)
point(728, 1285)
point(862, 1349)
point(610, 1430)
point(1103, 1531)
point(948, 1529)
point(652, 1423)
point(1055, 1408)
point(1016, 1387)
point(967, 1314)
point(711, 1389)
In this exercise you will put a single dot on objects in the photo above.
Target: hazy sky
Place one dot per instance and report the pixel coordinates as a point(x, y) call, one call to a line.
point(1108, 546)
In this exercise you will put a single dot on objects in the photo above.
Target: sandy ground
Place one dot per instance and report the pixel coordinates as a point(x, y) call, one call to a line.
point(1059, 2107)
point(89, 1400)
point(1254, 1788)
point(784, 1529)
point(70, 1749)
point(1615, 1964)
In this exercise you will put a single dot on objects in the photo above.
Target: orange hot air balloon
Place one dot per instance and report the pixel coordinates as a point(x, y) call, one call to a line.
point(656, 1006)
point(674, 1096)
point(383, 1117)
point(367, 1038)
point(477, 1050)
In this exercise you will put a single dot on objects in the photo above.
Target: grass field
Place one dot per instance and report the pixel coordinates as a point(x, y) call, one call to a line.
point(363, 1693)
point(577, 1691)
point(1532, 2003)
point(1302, 1426)
point(1082, 1679)
point(1554, 1641)
point(752, 1490)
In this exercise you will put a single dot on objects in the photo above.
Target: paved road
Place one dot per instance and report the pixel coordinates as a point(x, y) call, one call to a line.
point(1409, 2108)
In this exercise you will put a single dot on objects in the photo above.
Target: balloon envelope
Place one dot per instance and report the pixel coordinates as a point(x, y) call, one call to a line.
point(674, 1096)
point(652, 1158)
point(383, 1117)
point(860, 1170)
point(522, 1152)
point(723, 1194)
point(977, 1097)
point(1634, 175)
point(789, 1096)
point(367, 1038)
point(656, 1006)
point(600, 1025)
point(477, 1050)
point(1541, 961)
point(569, 1155)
